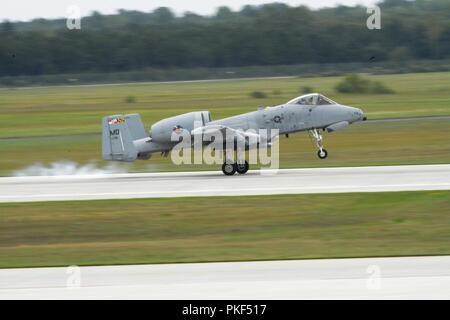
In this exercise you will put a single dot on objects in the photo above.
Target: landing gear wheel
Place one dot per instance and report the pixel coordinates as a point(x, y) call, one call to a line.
point(322, 154)
point(229, 169)
point(242, 168)
point(314, 134)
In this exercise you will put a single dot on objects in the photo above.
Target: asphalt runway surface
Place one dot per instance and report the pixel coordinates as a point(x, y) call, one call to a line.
point(196, 184)
point(371, 278)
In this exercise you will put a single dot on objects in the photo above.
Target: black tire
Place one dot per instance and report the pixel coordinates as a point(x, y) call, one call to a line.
point(229, 169)
point(322, 154)
point(242, 168)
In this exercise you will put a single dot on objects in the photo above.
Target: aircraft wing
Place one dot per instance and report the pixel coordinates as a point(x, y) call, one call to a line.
point(228, 134)
point(224, 130)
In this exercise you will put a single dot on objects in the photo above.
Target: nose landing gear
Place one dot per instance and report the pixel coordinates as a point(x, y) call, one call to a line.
point(322, 153)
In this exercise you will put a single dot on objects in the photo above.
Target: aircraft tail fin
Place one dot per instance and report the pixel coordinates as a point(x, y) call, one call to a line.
point(135, 126)
point(118, 134)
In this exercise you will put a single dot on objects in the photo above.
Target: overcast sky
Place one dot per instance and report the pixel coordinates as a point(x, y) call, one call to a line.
point(25, 10)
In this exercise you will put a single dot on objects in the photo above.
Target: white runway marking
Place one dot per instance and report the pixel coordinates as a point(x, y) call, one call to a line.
point(373, 278)
point(193, 184)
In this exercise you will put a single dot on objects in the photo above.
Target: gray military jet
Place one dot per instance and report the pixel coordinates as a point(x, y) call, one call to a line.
point(125, 139)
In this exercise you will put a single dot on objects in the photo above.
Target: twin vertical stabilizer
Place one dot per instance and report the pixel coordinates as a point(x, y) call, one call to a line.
point(119, 133)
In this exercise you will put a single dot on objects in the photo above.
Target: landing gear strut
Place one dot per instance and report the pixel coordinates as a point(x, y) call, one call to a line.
point(322, 153)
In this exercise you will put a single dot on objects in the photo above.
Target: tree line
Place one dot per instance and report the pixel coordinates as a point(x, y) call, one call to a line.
point(272, 34)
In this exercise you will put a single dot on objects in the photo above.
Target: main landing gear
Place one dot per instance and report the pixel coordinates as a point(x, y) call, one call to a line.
point(322, 153)
point(229, 168)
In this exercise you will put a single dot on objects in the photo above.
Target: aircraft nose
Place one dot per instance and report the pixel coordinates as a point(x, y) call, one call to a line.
point(356, 115)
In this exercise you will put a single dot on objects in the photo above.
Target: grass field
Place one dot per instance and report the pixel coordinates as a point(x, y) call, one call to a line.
point(70, 110)
point(44, 125)
point(224, 229)
point(426, 142)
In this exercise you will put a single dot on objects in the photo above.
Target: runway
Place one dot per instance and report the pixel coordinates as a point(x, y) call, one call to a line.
point(374, 278)
point(195, 184)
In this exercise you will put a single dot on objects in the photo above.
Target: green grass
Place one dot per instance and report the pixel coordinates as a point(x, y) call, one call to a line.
point(63, 123)
point(425, 142)
point(70, 110)
point(224, 229)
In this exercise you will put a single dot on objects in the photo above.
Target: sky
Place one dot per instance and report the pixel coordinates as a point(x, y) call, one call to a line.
point(25, 10)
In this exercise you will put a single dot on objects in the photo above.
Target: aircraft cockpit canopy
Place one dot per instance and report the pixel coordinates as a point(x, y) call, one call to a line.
point(313, 99)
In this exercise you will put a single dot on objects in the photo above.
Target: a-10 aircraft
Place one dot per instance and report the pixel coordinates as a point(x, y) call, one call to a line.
point(125, 139)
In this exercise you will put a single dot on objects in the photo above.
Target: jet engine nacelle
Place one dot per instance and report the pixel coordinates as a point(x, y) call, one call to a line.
point(338, 126)
point(161, 132)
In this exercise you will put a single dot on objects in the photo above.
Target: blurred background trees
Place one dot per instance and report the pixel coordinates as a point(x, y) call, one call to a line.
point(268, 35)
